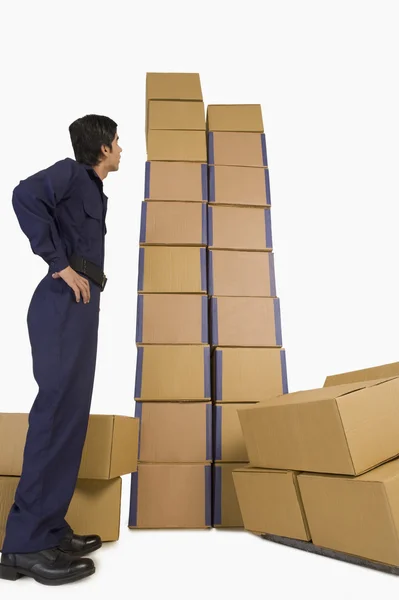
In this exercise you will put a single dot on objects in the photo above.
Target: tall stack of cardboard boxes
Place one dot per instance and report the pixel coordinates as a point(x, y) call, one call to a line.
point(324, 468)
point(248, 360)
point(110, 451)
point(172, 487)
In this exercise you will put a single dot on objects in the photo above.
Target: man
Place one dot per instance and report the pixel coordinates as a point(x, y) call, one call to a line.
point(62, 211)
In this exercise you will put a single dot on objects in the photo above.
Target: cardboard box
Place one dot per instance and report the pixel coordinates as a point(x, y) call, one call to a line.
point(173, 223)
point(239, 228)
point(253, 322)
point(235, 117)
point(172, 270)
point(166, 496)
point(95, 507)
point(176, 181)
point(173, 373)
point(355, 515)
point(173, 86)
point(175, 432)
point(229, 440)
point(172, 319)
point(248, 186)
point(110, 449)
point(379, 372)
point(270, 502)
point(248, 374)
point(176, 145)
point(237, 273)
point(178, 114)
point(237, 149)
point(347, 429)
point(226, 510)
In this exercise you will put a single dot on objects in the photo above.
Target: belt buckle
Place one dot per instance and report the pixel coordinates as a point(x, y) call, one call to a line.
point(103, 282)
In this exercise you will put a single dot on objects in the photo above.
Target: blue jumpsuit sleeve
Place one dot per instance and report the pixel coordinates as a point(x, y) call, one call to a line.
point(35, 201)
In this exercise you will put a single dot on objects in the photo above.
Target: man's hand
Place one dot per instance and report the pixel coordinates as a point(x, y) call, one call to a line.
point(79, 284)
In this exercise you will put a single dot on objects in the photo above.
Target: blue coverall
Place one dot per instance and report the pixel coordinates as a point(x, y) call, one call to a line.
point(62, 211)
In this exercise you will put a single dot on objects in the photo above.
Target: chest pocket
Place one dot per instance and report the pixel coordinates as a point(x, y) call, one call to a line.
point(93, 222)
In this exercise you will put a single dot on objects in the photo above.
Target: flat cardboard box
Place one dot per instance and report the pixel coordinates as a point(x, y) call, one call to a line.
point(235, 117)
point(229, 440)
point(173, 86)
point(172, 319)
point(355, 515)
point(237, 149)
point(240, 273)
point(247, 186)
point(176, 145)
point(172, 270)
point(173, 224)
point(110, 448)
point(226, 510)
point(169, 496)
point(248, 374)
point(246, 322)
point(270, 502)
point(379, 372)
point(239, 228)
point(347, 429)
point(175, 432)
point(173, 373)
point(95, 507)
point(176, 181)
point(177, 114)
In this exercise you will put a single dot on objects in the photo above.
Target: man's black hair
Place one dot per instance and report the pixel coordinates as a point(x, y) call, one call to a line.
point(88, 134)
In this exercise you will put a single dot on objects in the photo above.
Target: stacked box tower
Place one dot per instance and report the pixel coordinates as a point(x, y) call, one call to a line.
point(248, 358)
point(172, 487)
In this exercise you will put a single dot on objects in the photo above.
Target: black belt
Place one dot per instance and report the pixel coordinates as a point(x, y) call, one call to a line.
point(88, 268)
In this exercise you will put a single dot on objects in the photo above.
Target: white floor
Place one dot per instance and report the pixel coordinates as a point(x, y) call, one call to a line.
point(215, 564)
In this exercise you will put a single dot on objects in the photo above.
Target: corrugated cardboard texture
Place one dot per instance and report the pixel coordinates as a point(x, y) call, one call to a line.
point(172, 319)
point(345, 429)
point(173, 223)
point(226, 510)
point(95, 507)
point(357, 515)
point(173, 373)
point(239, 228)
point(237, 149)
point(173, 270)
point(248, 374)
point(235, 273)
point(235, 117)
point(176, 145)
point(176, 181)
point(270, 502)
point(249, 186)
point(175, 432)
point(380, 372)
point(110, 448)
point(246, 322)
point(171, 496)
point(173, 86)
point(176, 115)
point(229, 440)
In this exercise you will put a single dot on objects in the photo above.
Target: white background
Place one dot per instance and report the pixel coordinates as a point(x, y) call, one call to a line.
point(326, 76)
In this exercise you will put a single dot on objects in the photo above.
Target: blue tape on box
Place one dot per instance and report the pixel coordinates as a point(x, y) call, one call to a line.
point(214, 311)
point(268, 228)
point(212, 190)
point(147, 180)
point(264, 152)
point(208, 495)
point(219, 375)
point(138, 413)
point(139, 318)
point(134, 489)
point(143, 222)
point(284, 371)
point(277, 322)
point(204, 224)
point(140, 282)
point(139, 372)
point(218, 432)
point(205, 329)
point(209, 432)
point(217, 499)
point(204, 182)
point(207, 372)
point(272, 276)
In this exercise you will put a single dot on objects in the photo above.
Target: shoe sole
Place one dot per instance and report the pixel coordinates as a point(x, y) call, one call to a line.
point(14, 573)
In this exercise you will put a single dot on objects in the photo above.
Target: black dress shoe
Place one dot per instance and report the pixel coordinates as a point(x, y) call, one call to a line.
point(79, 545)
point(50, 567)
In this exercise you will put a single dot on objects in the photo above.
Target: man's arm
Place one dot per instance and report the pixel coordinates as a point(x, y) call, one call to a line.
point(34, 201)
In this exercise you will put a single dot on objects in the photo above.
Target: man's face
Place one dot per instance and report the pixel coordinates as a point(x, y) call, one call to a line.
point(112, 158)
